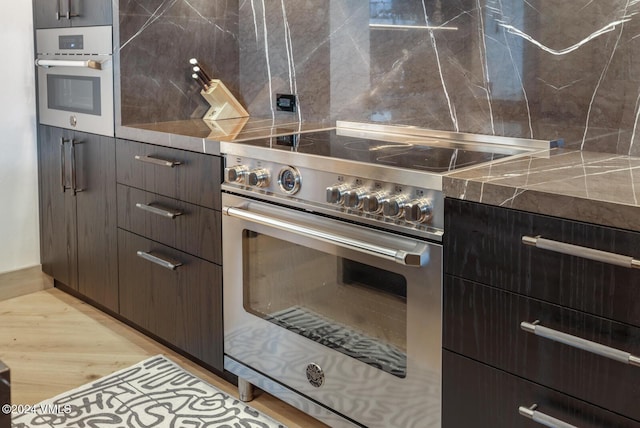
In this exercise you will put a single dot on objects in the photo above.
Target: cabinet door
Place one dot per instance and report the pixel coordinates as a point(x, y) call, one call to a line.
point(90, 12)
point(94, 157)
point(5, 395)
point(50, 13)
point(183, 305)
point(72, 13)
point(58, 234)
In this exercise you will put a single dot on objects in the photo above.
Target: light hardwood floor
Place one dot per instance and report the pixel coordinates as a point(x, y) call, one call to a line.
point(53, 342)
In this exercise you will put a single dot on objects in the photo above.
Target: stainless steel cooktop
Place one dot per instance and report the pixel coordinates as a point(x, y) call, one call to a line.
point(383, 176)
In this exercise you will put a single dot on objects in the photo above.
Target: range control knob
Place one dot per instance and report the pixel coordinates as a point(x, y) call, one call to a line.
point(372, 202)
point(394, 206)
point(418, 211)
point(353, 198)
point(235, 174)
point(336, 193)
point(259, 177)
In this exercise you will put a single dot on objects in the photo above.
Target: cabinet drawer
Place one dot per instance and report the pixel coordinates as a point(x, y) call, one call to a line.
point(484, 244)
point(182, 306)
point(188, 176)
point(483, 323)
point(475, 395)
point(187, 227)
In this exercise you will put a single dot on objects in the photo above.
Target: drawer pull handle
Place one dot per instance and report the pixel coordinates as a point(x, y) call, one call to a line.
point(578, 342)
point(156, 161)
point(584, 252)
point(541, 418)
point(158, 211)
point(159, 261)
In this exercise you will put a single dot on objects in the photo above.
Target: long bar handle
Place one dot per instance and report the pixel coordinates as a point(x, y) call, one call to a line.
point(69, 14)
point(584, 252)
point(399, 256)
point(63, 165)
point(156, 161)
point(57, 10)
point(542, 418)
point(580, 343)
point(74, 175)
point(158, 211)
point(158, 260)
point(92, 64)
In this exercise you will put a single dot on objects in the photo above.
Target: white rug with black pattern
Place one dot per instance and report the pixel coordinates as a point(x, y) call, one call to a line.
point(153, 393)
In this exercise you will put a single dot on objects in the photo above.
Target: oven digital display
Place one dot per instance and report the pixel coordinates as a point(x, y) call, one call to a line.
point(75, 42)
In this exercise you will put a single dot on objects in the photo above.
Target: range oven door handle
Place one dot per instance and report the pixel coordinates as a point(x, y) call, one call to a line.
point(46, 63)
point(408, 258)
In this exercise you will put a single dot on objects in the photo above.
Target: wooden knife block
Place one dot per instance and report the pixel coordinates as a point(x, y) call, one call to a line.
point(223, 104)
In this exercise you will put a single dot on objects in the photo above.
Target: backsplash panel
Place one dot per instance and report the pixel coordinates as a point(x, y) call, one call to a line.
point(543, 69)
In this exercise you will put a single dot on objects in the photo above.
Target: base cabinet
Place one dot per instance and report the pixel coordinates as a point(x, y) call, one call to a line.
point(479, 396)
point(547, 324)
point(170, 246)
point(172, 295)
point(78, 220)
point(5, 395)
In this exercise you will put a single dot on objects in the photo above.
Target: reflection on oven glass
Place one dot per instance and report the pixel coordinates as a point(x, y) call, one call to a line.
point(356, 309)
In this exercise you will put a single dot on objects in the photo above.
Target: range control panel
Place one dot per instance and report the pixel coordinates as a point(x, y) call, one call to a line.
point(397, 206)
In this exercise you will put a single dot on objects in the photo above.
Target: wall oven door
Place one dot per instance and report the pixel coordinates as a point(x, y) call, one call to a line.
point(75, 79)
point(345, 315)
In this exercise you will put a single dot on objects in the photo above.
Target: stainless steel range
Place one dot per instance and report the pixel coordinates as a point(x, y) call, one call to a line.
point(332, 263)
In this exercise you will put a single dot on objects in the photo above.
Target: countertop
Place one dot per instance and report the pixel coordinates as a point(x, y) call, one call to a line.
point(601, 188)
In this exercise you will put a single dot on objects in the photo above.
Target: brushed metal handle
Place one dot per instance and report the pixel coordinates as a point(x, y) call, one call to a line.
point(580, 343)
point(57, 10)
point(417, 258)
point(584, 252)
point(46, 63)
point(69, 14)
point(158, 260)
point(542, 418)
point(74, 177)
point(63, 165)
point(158, 211)
point(157, 161)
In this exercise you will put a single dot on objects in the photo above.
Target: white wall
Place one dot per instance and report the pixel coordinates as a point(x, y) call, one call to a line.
point(19, 230)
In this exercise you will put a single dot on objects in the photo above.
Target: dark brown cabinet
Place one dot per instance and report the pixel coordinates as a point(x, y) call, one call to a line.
point(72, 13)
point(5, 395)
point(78, 212)
point(170, 246)
point(558, 330)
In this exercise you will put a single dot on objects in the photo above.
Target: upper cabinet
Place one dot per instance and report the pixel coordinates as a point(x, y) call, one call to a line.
point(72, 13)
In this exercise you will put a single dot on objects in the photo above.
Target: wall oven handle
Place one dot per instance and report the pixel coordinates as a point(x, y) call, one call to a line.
point(158, 260)
point(57, 10)
point(156, 161)
point(541, 418)
point(580, 343)
point(158, 211)
point(95, 65)
point(584, 252)
point(418, 258)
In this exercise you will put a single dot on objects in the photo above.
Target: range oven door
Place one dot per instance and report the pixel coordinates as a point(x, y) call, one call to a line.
point(75, 79)
point(345, 315)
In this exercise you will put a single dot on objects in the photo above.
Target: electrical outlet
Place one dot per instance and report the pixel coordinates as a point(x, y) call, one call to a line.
point(286, 102)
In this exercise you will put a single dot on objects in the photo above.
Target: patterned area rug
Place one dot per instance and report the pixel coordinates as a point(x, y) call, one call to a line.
point(153, 393)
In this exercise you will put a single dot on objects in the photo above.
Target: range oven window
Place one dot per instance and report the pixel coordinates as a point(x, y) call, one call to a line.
point(357, 309)
point(78, 94)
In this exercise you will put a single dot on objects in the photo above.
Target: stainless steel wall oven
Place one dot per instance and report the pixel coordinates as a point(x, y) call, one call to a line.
point(332, 264)
point(75, 78)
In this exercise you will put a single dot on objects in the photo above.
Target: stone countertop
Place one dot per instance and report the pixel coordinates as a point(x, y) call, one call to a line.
point(205, 136)
point(599, 188)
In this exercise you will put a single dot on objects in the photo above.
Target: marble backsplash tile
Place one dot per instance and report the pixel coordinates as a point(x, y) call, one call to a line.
point(542, 69)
